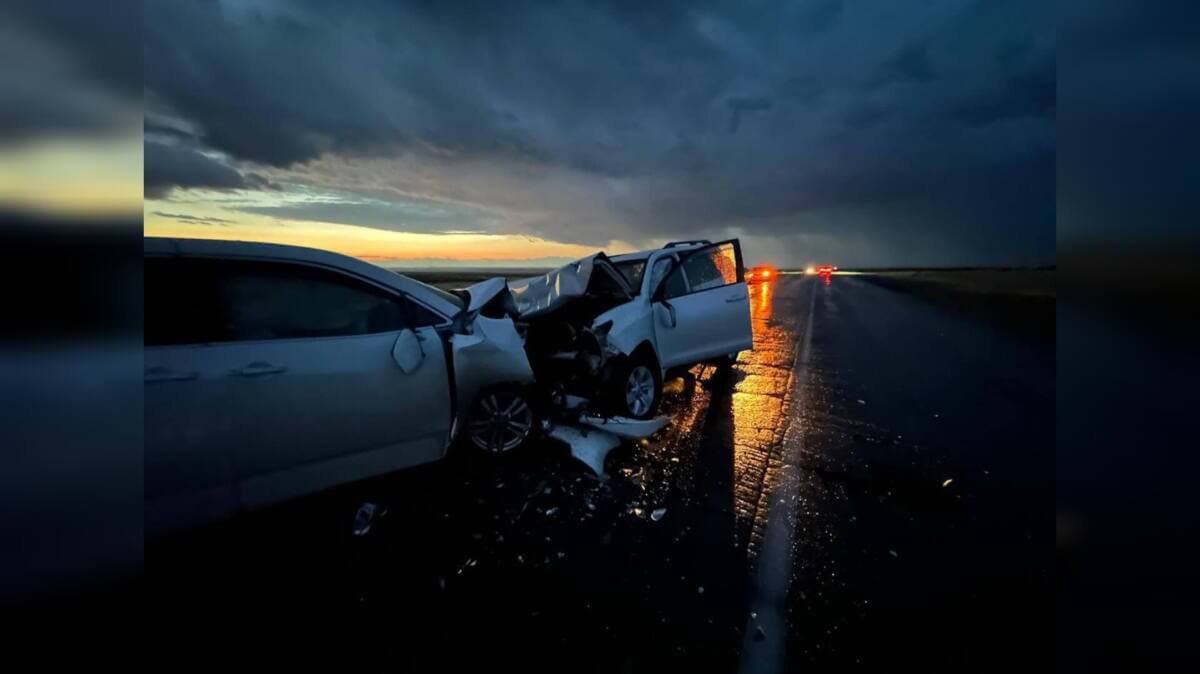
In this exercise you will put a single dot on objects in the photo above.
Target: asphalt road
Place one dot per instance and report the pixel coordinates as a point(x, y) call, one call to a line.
point(869, 488)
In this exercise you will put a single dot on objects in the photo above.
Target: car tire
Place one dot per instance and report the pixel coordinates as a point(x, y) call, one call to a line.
point(501, 421)
point(637, 389)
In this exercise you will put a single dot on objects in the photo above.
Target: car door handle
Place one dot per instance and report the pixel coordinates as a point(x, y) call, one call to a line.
point(258, 369)
point(159, 374)
point(737, 298)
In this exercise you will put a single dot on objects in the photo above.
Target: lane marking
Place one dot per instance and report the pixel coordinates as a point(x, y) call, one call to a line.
point(766, 654)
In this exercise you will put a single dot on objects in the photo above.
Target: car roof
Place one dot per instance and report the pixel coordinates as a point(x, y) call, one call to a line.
point(154, 245)
point(643, 254)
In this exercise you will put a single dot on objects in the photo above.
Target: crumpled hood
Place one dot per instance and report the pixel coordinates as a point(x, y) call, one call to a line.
point(538, 295)
point(483, 292)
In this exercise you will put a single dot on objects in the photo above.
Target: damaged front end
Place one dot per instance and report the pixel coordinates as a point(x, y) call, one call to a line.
point(567, 337)
point(487, 353)
point(554, 336)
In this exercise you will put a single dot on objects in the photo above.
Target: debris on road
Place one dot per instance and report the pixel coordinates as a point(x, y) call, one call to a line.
point(590, 448)
point(947, 482)
point(623, 427)
point(365, 516)
point(657, 515)
point(893, 553)
point(591, 437)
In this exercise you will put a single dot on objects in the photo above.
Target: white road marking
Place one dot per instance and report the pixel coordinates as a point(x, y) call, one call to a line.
point(764, 652)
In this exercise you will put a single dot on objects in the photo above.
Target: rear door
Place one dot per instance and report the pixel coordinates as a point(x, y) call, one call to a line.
point(188, 420)
point(707, 292)
point(315, 392)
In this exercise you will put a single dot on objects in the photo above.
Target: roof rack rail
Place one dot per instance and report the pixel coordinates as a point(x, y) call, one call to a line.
point(687, 243)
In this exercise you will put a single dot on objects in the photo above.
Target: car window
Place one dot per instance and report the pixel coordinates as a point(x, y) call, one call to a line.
point(420, 317)
point(179, 305)
point(712, 267)
point(286, 301)
point(633, 270)
point(444, 294)
point(675, 284)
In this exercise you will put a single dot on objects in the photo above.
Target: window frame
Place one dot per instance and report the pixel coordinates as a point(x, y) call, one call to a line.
point(353, 279)
point(680, 260)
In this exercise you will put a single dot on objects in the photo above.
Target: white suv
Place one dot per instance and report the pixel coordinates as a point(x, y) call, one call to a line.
point(605, 324)
point(276, 371)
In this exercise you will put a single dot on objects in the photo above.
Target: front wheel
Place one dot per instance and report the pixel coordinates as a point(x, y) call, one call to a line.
point(638, 390)
point(501, 421)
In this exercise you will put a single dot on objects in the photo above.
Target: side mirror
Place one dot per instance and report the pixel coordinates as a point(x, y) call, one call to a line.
point(407, 351)
point(671, 320)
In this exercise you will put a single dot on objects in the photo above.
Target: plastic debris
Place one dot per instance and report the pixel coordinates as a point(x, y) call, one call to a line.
point(754, 615)
point(861, 401)
point(469, 563)
point(947, 482)
point(552, 511)
point(658, 513)
point(590, 449)
point(759, 633)
point(637, 511)
point(631, 429)
point(365, 517)
point(700, 590)
point(893, 553)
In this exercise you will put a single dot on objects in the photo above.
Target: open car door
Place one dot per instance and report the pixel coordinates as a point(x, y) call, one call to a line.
point(702, 308)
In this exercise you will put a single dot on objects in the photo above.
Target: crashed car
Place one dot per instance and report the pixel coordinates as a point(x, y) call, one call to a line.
point(276, 371)
point(611, 329)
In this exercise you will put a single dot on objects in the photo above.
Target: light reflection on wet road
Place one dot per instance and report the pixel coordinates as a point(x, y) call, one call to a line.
point(531, 563)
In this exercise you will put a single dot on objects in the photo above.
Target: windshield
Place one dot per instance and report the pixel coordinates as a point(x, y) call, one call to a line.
point(444, 294)
point(633, 270)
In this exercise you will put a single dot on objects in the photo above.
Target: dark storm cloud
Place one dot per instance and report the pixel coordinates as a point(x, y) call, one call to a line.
point(1127, 168)
point(871, 120)
point(910, 63)
point(743, 104)
point(69, 68)
point(167, 166)
point(186, 219)
point(404, 217)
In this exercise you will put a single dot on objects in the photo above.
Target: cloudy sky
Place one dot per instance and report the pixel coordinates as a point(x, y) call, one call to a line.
point(856, 132)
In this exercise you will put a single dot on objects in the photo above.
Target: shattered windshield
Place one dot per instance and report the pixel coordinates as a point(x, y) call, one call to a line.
point(633, 270)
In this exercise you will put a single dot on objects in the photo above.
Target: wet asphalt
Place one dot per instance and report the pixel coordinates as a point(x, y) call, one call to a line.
point(869, 488)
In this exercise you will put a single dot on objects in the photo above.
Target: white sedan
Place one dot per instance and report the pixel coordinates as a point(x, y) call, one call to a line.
point(276, 371)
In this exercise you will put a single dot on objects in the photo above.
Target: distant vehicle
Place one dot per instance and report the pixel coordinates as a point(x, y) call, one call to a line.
point(276, 371)
point(761, 273)
point(826, 269)
point(605, 326)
